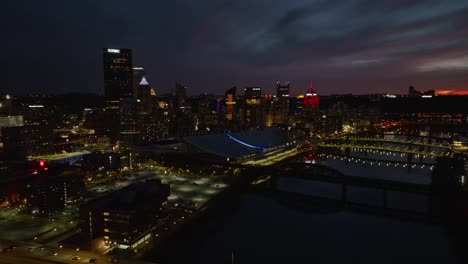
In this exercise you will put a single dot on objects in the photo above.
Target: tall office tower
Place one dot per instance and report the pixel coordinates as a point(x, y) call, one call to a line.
point(282, 89)
point(253, 111)
point(282, 103)
point(118, 75)
point(230, 97)
point(129, 121)
point(138, 74)
point(311, 99)
point(253, 95)
point(143, 93)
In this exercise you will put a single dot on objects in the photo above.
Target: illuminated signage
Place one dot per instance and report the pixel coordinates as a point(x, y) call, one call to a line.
point(36, 106)
point(113, 50)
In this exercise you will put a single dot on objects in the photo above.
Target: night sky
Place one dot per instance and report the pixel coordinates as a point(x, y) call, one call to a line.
point(362, 46)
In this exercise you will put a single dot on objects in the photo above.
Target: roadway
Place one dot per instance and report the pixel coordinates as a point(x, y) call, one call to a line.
point(275, 157)
point(396, 141)
point(189, 191)
point(60, 156)
point(33, 253)
point(432, 153)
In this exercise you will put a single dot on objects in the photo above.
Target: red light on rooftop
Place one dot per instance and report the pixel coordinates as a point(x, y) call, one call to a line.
point(41, 163)
point(311, 99)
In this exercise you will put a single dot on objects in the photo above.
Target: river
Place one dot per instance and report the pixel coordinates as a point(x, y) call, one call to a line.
point(262, 229)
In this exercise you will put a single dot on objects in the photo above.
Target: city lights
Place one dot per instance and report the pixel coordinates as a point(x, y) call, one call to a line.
point(253, 131)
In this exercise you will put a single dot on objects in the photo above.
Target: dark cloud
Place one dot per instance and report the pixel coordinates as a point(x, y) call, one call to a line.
point(346, 46)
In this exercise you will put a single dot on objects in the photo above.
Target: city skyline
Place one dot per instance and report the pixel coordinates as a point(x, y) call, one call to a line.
point(221, 131)
point(359, 47)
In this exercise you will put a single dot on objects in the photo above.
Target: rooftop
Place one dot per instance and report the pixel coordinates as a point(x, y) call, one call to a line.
point(131, 197)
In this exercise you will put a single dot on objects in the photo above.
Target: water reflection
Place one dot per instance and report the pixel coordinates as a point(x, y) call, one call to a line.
point(264, 229)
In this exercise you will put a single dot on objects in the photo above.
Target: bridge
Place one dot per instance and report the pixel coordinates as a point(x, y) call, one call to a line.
point(320, 173)
point(382, 148)
point(67, 158)
point(395, 141)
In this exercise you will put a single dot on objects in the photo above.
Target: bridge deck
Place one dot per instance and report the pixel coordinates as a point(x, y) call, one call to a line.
point(432, 153)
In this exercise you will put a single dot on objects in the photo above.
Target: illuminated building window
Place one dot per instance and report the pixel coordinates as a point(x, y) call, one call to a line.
point(105, 213)
point(106, 230)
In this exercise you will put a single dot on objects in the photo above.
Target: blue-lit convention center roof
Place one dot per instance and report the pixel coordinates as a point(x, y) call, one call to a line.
point(241, 144)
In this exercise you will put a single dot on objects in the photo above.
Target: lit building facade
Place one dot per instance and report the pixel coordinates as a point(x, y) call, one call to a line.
point(129, 121)
point(282, 89)
point(143, 94)
point(230, 97)
point(48, 195)
point(125, 217)
point(118, 75)
point(311, 99)
point(253, 109)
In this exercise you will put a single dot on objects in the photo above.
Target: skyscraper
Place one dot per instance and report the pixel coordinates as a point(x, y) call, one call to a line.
point(138, 74)
point(281, 103)
point(143, 93)
point(311, 99)
point(129, 125)
point(282, 89)
point(230, 96)
point(118, 75)
point(253, 112)
point(253, 95)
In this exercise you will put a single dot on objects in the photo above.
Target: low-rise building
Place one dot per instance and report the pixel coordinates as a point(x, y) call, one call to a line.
point(125, 217)
point(51, 194)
